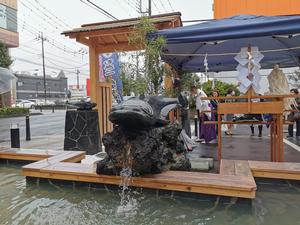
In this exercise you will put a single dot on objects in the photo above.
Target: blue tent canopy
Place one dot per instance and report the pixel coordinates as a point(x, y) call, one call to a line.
point(277, 37)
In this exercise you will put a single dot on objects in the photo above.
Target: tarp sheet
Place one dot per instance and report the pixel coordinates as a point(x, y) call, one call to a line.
point(221, 40)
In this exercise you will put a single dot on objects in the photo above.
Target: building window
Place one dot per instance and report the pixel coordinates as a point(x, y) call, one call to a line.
point(8, 18)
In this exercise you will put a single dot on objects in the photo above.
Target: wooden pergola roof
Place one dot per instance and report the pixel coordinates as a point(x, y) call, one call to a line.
point(113, 35)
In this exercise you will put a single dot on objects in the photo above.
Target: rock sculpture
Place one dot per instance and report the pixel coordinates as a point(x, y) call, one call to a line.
point(147, 113)
point(278, 85)
point(143, 140)
point(83, 105)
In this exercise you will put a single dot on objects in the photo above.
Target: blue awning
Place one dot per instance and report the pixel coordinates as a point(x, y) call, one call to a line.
point(277, 37)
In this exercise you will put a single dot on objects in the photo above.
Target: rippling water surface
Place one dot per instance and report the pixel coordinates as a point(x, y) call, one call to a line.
point(46, 203)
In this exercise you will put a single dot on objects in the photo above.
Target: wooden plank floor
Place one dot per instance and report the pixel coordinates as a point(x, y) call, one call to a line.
point(196, 182)
point(235, 179)
point(26, 154)
point(275, 170)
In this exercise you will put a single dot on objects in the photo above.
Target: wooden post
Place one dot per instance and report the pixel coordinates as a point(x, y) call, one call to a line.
point(271, 142)
point(100, 92)
point(249, 94)
point(168, 85)
point(219, 138)
point(280, 139)
point(94, 71)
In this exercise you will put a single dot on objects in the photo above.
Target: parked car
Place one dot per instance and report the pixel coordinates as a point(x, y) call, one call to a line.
point(24, 104)
point(38, 102)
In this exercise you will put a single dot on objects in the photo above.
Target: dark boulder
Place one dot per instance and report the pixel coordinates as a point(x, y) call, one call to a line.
point(144, 151)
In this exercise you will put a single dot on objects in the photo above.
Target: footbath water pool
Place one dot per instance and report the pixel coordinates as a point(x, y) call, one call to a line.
point(22, 202)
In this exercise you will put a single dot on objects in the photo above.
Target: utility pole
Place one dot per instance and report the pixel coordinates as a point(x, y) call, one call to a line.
point(149, 7)
point(137, 64)
point(44, 72)
point(77, 72)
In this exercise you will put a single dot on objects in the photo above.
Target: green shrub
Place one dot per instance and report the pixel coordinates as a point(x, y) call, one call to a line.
point(13, 111)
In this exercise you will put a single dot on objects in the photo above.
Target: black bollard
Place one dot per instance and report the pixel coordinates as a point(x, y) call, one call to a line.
point(27, 128)
point(41, 108)
point(15, 137)
point(196, 126)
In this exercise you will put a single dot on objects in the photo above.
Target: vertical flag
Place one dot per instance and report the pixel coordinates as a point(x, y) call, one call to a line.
point(110, 67)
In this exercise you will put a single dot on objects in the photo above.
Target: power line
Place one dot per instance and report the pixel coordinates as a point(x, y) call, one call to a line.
point(130, 5)
point(170, 5)
point(156, 6)
point(56, 57)
point(137, 5)
point(163, 5)
point(28, 7)
point(50, 67)
point(99, 9)
point(46, 15)
point(63, 22)
point(46, 20)
point(74, 67)
point(103, 10)
point(119, 3)
point(49, 53)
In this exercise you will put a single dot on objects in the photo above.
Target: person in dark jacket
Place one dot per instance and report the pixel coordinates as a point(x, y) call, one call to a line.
point(296, 120)
point(214, 105)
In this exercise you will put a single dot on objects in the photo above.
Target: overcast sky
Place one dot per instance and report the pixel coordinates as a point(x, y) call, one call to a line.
point(53, 17)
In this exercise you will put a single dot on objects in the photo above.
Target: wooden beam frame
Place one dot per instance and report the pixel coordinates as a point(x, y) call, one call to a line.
point(114, 39)
point(102, 32)
point(84, 41)
point(125, 46)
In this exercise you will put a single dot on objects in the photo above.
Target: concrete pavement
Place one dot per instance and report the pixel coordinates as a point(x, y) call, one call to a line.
point(242, 146)
point(47, 130)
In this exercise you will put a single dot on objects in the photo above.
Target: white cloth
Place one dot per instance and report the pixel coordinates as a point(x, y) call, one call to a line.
point(247, 66)
point(203, 105)
point(198, 100)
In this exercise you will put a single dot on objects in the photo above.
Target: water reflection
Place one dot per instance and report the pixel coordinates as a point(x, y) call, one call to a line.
point(33, 204)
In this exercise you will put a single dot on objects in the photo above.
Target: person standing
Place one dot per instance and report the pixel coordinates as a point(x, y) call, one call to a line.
point(229, 117)
point(208, 131)
point(196, 94)
point(295, 118)
point(214, 106)
point(185, 115)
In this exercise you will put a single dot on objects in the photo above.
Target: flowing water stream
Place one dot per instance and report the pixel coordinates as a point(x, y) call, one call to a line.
point(128, 200)
point(23, 203)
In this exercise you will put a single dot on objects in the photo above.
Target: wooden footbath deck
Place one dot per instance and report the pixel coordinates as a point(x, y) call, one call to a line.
point(235, 178)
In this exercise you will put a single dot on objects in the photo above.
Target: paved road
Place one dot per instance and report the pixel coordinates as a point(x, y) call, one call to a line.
point(47, 130)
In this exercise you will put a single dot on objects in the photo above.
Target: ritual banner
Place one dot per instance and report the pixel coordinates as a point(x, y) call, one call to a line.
point(110, 67)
